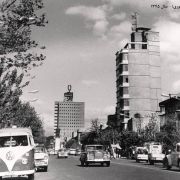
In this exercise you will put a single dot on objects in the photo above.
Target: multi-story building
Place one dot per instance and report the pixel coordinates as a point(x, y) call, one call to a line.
point(68, 116)
point(170, 112)
point(138, 77)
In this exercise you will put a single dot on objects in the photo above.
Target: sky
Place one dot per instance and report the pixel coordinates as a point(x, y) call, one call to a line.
point(81, 40)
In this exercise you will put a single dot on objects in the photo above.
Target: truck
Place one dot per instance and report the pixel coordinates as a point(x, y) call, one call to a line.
point(173, 158)
point(155, 152)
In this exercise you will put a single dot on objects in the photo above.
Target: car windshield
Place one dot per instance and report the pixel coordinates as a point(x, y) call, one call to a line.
point(13, 141)
point(94, 147)
point(61, 150)
point(142, 151)
point(39, 150)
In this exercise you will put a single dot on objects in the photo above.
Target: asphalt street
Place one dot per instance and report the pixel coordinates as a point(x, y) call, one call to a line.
point(120, 169)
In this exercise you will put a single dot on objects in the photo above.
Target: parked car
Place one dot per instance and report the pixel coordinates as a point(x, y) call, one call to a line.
point(78, 152)
point(72, 151)
point(94, 154)
point(62, 153)
point(172, 158)
point(155, 152)
point(141, 154)
point(41, 158)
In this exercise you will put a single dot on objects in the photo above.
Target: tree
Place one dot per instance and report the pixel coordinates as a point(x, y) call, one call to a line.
point(17, 18)
point(26, 116)
point(169, 135)
point(10, 90)
point(152, 128)
point(94, 135)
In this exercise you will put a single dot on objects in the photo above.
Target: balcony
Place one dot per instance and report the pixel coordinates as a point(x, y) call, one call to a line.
point(125, 84)
point(126, 96)
point(125, 73)
point(124, 51)
point(125, 108)
point(124, 61)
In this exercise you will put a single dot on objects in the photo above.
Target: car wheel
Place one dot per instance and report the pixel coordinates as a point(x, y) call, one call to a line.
point(46, 169)
point(86, 164)
point(102, 164)
point(108, 164)
point(137, 160)
point(0, 177)
point(31, 177)
point(151, 162)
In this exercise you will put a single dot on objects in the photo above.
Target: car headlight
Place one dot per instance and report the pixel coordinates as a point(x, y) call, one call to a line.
point(106, 156)
point(24, 160)
point(45, 157)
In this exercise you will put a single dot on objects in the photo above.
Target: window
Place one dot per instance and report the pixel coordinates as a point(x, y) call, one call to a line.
point(162, 109)
point(144, 40)
point(125, 67)
point(125, 90)
point(126, 102)
point(125, 56)
point(13, 141)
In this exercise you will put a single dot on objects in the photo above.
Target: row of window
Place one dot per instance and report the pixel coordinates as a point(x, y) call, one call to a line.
point(70, 110)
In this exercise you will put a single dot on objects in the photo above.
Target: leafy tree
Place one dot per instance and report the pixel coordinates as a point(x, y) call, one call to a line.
point(94, 135)
point(26, 116)
point(17, 18)
point(152, 128)
point(169, 135)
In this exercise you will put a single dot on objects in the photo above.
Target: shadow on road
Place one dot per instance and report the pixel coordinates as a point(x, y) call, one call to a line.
point(16, 178)
point(91, 165)
point(173, 170)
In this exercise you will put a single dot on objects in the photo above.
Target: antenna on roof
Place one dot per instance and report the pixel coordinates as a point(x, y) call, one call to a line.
point(134, 18)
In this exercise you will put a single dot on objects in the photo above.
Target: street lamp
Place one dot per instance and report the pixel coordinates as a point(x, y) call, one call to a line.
point(33, 91)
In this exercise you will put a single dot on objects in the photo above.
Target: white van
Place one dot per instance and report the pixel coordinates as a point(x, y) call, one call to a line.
point(16, 153)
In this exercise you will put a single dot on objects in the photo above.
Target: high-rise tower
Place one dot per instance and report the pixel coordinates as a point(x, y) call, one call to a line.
point(68, 116)
point(138, 77)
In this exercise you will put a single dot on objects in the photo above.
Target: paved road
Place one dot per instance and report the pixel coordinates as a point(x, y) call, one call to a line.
point(122, 169)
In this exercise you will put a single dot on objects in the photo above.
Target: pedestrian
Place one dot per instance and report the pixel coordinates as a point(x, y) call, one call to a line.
point(110, 150)
point(118, 153)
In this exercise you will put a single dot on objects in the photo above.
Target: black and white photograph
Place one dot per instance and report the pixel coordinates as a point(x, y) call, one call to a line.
point(89, 89)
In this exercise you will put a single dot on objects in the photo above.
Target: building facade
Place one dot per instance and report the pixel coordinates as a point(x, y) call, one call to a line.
point(68, 117)
point(138, 78)
point(170, 112)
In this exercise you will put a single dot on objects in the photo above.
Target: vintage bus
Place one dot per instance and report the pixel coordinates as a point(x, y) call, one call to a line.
point(16, 153)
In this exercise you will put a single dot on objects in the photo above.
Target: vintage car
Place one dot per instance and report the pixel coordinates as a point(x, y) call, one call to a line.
point(72, 151)
point(94, 154)
point(172, 158)
point(155, 154)
point(78, 152)
point(62, 153)
point(16, 152)
point(41, 158)
point(141, 154)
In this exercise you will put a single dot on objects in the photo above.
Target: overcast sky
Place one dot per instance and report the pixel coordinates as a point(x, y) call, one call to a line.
point(82, 37)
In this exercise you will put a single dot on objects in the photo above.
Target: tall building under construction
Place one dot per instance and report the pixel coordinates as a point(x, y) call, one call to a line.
point(138, 77)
